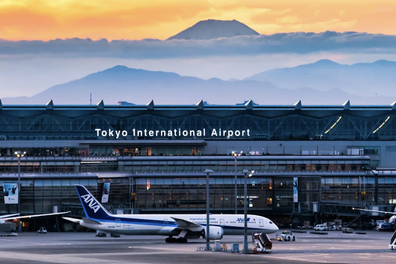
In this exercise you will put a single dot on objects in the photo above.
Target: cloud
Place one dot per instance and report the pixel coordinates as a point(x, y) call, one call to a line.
point(298, 43)
point(113, 19)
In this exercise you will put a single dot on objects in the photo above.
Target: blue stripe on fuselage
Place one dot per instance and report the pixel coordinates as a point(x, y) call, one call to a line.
point(149, 222)
point(112, 219)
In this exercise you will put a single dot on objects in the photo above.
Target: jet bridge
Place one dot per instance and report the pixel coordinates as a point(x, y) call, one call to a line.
point(339, 209)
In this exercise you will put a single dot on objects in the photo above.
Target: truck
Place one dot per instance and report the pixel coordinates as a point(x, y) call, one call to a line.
point(7, 227)
point(385, 227)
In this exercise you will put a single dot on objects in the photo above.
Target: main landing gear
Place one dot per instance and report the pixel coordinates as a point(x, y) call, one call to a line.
point(176, 240)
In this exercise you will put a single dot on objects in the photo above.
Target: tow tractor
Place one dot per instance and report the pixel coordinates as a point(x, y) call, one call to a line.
point(286, 236)
point(262, 243)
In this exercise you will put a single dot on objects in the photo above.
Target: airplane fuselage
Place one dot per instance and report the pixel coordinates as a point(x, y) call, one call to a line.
point(165, 225)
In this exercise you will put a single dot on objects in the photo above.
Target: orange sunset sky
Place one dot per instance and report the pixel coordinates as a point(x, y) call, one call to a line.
point(137, 19)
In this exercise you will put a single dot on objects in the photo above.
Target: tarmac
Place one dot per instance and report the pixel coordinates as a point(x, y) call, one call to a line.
point(75, 247)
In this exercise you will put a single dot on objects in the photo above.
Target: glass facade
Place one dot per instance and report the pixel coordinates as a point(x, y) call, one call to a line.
point(361, 189)
point(264, 122)
point(150, 184)
point(386, 190)
point(269, 194)
point(41, 195)
point(189, 193)
point(182, 164)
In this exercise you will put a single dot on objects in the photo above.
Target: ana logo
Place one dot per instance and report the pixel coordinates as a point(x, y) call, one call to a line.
point(242, 220)
point(90, 201)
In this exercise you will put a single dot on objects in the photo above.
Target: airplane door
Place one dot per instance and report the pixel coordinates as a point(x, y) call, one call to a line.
point(261, 222)
point(221, 222)
point(118, 223)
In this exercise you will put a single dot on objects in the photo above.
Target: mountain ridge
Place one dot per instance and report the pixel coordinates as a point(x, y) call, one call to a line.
point(360, 78)
point(120, 83)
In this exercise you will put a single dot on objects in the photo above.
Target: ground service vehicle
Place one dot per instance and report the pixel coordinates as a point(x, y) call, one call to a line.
point(262, 243)
point(9, 234)
point(347, 230)
point(320, 227)
point(287, 236)
point(385, 227)
point(100, 233)
point(42, 230)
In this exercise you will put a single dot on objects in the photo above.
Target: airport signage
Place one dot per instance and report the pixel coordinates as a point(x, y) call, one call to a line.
point(10, 191)
point(295, 189)
point(178, 132)
point(106, 192)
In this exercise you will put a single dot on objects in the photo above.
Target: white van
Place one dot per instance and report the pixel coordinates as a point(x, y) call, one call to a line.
point(320, 227)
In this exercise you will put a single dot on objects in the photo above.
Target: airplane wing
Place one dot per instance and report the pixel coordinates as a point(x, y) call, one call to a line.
point(79, 221)
point(71, 219)
point(185, 224)
point(32, 216)
point(9, 215)
point(374, 211)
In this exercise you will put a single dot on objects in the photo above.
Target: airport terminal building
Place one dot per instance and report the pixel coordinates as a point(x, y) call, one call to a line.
point(310, 162)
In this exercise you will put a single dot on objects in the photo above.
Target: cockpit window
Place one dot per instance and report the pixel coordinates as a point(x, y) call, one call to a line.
point(270, 222)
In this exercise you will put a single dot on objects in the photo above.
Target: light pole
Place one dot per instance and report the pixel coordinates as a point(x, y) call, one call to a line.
point(245, 243)
point(236, 192)
point(19, 154)
point(207, 171)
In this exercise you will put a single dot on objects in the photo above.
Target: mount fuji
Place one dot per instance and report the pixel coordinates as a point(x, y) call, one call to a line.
point(213, 29)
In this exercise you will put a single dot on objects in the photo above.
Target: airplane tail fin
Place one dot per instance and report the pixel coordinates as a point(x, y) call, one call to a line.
point(91, 206)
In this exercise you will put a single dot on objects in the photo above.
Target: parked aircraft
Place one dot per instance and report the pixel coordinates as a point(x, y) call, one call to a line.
point(171, 225)
point(392, 220)
point(4, 218)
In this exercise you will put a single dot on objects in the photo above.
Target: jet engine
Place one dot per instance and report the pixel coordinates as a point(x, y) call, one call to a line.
point(215, 232)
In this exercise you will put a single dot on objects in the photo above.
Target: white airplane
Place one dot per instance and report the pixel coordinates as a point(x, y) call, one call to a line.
point(181, 226)
point(392, 220)
point(4, 218)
